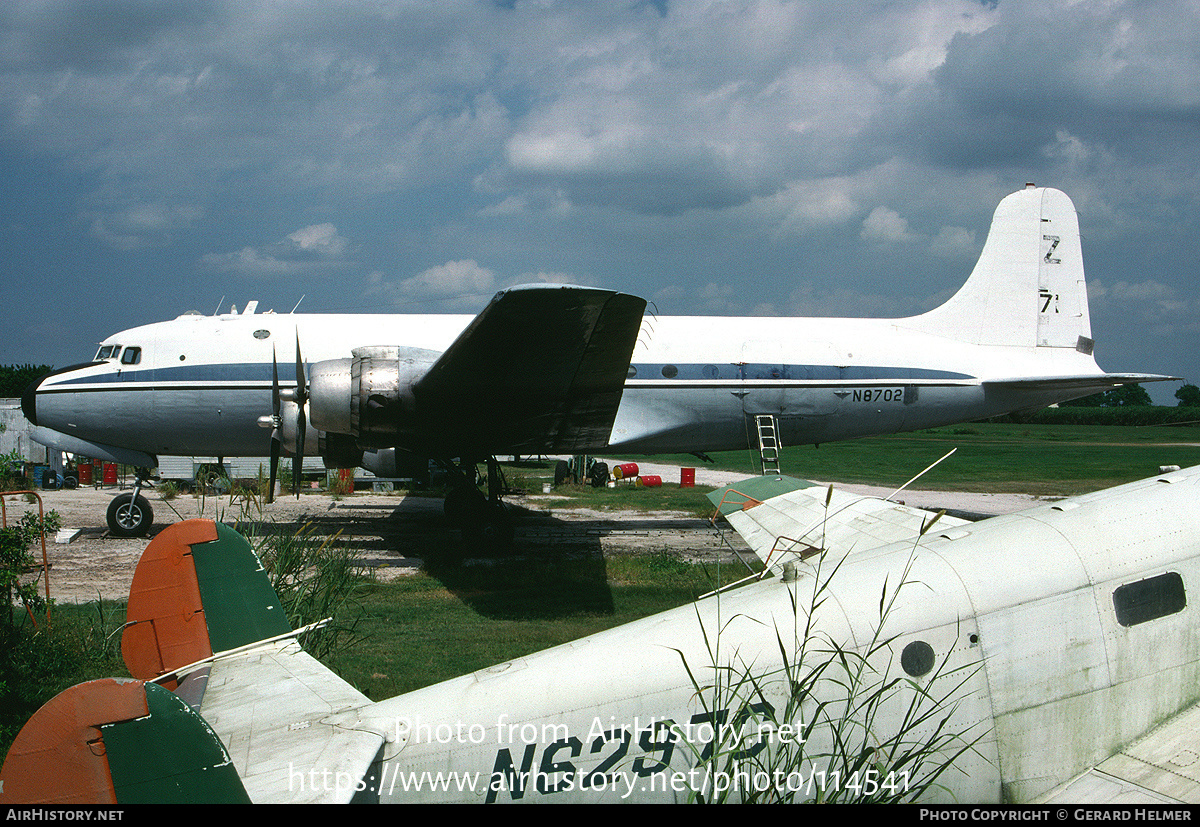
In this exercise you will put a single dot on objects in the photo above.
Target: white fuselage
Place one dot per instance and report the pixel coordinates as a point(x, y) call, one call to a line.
point(1048, 654)
point(200, 383)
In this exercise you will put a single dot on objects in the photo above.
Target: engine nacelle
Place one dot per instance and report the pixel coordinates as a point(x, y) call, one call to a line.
point(339, 450)
point(392, 464)
point(368, 396)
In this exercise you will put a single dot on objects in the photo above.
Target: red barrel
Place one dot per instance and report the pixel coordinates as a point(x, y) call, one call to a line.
point(687, 477)
point(110, 473)
point(84, 470)
point(625, 471)
point(650, 480)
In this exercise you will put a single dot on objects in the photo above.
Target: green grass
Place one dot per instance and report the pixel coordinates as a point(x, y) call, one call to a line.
point(78, 644)
point(451, 619)
point(1033, 459)
point(434, 626)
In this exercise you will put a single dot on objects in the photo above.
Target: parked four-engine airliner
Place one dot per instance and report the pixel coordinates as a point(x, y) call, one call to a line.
point(387, 391)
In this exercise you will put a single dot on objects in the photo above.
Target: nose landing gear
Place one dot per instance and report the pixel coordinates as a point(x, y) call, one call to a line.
point(130, 514)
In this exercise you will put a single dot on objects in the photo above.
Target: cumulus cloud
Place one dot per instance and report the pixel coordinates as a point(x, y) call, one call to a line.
point(462, 285)
point(143, 226)
point(454, 278)
point(886, 225)
point(954, 242)
point(314, 250)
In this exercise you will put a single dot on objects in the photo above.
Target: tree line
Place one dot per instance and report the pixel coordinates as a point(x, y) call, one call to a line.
point(14, 379)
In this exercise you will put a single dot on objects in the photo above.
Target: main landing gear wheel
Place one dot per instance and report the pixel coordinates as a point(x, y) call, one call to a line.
point(129, 515)
point(462, 503)
point(491, 525)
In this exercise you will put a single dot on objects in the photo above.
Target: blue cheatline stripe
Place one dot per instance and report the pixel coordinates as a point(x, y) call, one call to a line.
point(692, 372)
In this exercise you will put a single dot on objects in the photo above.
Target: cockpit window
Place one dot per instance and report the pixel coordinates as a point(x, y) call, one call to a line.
point(132, 356)
point(107, 352)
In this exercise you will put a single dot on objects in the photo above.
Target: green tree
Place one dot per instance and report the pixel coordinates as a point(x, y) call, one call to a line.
point(1188, 396)
point(1116, 398)
point(14, 379)
point(15, 560)
point(1125, 396)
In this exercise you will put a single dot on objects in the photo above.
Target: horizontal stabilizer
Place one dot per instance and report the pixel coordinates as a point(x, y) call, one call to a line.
point(254, 718)
point(118, 742)
point(540, 369)
point(796, 519)
point(1090, 383)
point(198, 589)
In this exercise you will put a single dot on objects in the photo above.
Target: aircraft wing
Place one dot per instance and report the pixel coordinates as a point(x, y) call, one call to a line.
point(540, 369)
point(1159, 768)
point(784, 519)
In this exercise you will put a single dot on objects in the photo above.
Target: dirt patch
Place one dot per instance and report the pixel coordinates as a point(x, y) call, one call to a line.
point(391, 534)
point(394, 534)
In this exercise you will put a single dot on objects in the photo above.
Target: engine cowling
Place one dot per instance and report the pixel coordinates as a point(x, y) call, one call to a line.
point(369, 396)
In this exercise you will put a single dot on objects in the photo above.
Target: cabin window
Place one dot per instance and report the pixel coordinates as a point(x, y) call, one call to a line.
point(631, 373)
point(1149, 599)
point(917, 658)
point(132, 356)
point(670, 371)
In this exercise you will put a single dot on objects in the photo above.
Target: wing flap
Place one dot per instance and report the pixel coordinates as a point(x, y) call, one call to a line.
point(541, 369)
point(806, 519)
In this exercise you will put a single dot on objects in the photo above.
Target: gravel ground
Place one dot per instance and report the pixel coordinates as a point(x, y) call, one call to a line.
point(393, 533)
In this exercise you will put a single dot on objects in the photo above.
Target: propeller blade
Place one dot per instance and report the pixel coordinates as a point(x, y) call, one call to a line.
point(298, 460)
point(301, 419)
point(275, 440)
point(276, 447)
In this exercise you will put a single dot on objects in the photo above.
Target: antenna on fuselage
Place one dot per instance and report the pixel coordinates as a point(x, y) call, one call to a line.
point(917, 477)
point(298, 303)
point(217, 312)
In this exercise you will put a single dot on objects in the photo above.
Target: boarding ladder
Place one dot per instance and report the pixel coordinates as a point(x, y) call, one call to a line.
point(768, 443)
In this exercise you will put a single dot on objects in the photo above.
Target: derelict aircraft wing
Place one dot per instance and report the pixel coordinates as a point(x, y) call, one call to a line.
point(784, 519)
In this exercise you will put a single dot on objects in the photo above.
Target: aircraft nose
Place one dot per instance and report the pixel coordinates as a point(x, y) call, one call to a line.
point(29, 401)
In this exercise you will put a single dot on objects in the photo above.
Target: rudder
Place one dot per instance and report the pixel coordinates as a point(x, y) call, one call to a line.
point(1028, 288)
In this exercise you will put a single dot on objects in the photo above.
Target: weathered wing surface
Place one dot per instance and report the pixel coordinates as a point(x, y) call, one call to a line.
point(782, 519)
point(540, 369)
point(288, 723)
point(1161, 767)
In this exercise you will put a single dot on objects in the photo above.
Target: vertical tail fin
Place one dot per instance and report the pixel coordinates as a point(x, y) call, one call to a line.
point(1028, 287)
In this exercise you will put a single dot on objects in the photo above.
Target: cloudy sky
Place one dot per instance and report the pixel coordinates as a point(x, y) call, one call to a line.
point(740, 157)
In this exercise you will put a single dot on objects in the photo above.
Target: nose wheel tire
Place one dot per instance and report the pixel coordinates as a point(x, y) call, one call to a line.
point(129, 516)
